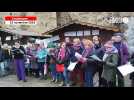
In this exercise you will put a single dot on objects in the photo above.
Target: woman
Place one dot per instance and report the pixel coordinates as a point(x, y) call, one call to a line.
point(51, 59)
point(19, 56)
point(31, 53)
point(123, 54)
point(76, 76)
point(110, 60)
point(60, 61)
point(41, 59)
point(88, 63)
point(99, 51)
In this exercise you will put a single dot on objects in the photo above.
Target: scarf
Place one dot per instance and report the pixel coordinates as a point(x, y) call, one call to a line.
point(107, 53)
point(61, 54)
point(113, 50)
point(86, 52)
point(77, 47)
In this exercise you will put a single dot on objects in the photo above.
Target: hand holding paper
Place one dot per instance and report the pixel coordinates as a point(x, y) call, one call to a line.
point(96, 58)
point(126, 69)
point(77, 55)
point(72, 66)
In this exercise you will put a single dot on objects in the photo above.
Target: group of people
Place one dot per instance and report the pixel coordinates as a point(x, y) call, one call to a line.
point(40, 61)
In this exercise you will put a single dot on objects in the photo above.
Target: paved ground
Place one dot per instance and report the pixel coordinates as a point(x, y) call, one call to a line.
point(11, 81)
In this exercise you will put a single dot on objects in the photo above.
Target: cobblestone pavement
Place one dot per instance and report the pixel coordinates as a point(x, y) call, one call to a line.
point(11, 81)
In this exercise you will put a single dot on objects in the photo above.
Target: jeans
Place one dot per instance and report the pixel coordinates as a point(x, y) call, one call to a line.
point(53, 71)
point(2, 68)
point(88, 78)
point(66, 76)
point(59, 76)
point(41, 68)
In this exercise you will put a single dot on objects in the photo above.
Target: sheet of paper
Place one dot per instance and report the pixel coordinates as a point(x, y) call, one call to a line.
point(72, 66)
point(77, 55)
point(95, 58)
point(126, 69)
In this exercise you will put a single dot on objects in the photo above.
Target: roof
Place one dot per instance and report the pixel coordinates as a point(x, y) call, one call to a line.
point(22, 32)
point(83, 23)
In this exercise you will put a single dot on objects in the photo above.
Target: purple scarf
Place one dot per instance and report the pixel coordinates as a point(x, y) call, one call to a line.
point(77, 47)
point(86, 52)
point(61, 54)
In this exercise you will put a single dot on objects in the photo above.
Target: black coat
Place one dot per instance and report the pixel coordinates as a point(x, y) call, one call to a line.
point(18, 53)
point(2, 56)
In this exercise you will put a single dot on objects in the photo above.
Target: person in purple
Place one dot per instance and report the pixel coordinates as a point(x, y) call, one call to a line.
point(18, 54)
point(123, 54)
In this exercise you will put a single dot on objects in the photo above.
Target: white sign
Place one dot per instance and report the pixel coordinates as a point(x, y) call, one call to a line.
point(8, 38)
point(95, 32)
point(87, 33)
point(126, 69)
point(95, 58)
point(70, 33)
point(72, 66)
point(37, 41)
point(77, 55)
point(80, 33)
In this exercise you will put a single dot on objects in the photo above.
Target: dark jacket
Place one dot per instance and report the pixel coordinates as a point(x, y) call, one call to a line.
point(6, 54)
point(90, 64)
point(1, 55)
point(99, 50)
point(18, 53)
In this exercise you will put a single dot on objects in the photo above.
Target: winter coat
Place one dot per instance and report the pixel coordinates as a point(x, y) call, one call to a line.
point(124, 54)
point(6, 54)
point(109, 68)
point(66, 58)
point(2, 57)
point(99, 50)
point(18, 53)
point(41, 55)
point(90, 64)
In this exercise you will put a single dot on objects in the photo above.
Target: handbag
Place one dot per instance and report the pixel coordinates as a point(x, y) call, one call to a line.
point(60, 67)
